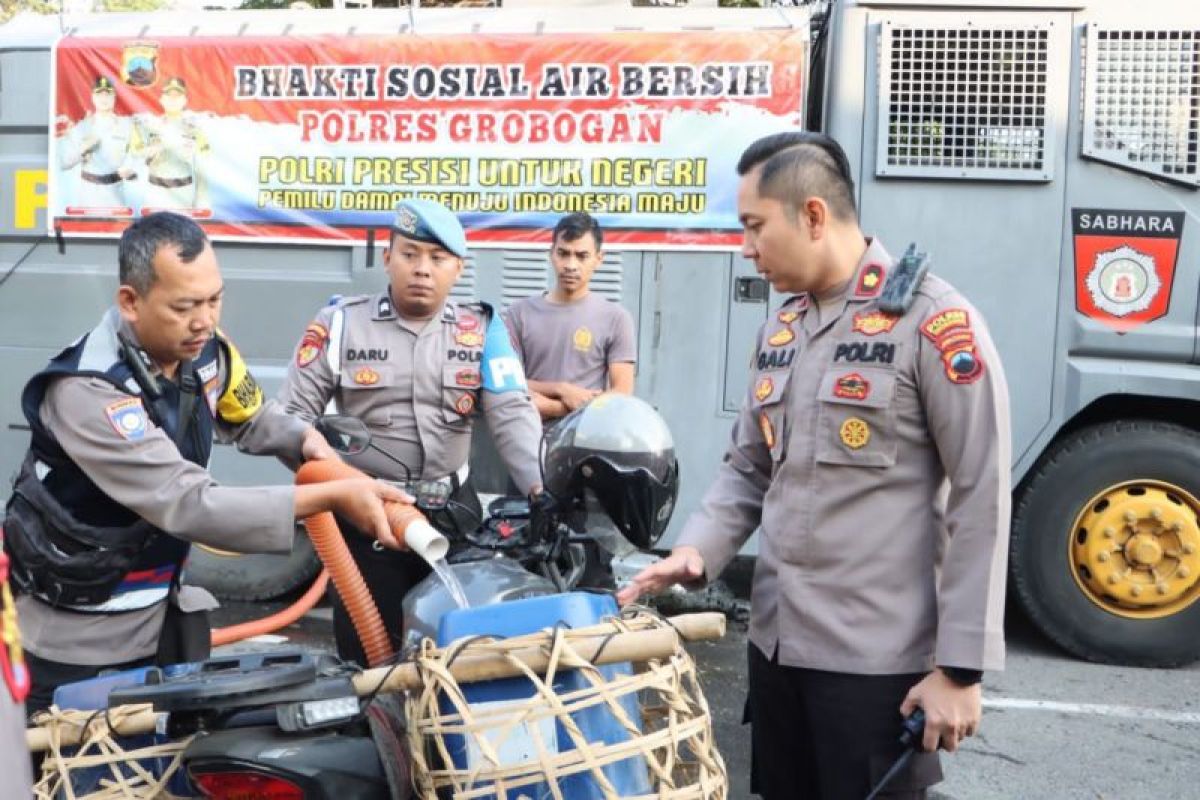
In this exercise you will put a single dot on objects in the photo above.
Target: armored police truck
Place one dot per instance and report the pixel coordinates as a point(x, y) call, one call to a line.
point(1046, 154)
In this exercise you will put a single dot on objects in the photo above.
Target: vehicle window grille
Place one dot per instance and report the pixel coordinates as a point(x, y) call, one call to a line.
point(966, 101)
point(1142, 100)
point(464, 287)
point(606, 280)
point(528, 272)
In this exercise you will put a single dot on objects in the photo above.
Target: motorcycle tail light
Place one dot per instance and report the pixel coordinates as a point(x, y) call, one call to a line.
point(245, 785)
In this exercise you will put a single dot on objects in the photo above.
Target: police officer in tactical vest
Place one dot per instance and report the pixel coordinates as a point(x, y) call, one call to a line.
point(115, 485)
point(414, 367)
point(872, 452)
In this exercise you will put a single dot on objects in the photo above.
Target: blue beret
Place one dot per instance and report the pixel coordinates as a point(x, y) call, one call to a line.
point(428, 221)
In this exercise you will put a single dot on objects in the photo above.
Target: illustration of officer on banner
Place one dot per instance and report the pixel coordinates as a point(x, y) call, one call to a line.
point(174, 147)
point(101, 146)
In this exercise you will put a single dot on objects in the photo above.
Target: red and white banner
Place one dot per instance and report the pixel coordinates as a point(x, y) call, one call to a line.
point(318, 138)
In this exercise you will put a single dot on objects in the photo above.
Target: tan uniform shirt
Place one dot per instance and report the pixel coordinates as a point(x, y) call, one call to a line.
point(15, 775)
point(99, 184)
point(874, 452)
point(16, 780)
point(416, 386)
point(150, 477)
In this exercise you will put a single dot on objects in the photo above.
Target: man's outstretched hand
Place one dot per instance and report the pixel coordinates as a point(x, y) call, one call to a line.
point(684, 565)
point(315, 448)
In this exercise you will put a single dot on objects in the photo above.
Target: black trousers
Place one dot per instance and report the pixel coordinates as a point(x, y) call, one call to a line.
point(46, 676)
point(829, 736)
point(390, 574)
point(183, 638)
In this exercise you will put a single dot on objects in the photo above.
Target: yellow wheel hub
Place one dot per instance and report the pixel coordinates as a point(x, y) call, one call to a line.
point(1135, 549)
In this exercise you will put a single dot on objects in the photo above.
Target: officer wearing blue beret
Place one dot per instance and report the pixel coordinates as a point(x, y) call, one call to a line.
point(416, 367)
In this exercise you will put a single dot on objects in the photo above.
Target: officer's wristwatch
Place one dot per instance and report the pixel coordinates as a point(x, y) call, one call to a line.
point(962, 675)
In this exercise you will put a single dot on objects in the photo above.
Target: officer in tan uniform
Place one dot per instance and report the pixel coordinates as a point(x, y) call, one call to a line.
point(115, 484)
point(174, 147)
point(415, 367)
point(101, 145)
point(873, 452)
point(16, 779)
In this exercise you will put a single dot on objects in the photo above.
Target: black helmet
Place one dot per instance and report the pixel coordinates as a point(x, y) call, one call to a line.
point(618, 449)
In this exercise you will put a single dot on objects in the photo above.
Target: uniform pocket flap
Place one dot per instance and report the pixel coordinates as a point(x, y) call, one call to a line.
point(871, 388)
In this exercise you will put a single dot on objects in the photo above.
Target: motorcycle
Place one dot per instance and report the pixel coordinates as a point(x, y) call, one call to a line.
point(289, 724)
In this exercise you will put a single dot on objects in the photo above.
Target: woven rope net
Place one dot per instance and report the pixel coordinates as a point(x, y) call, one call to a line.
point(126, 768)
point(656, 722)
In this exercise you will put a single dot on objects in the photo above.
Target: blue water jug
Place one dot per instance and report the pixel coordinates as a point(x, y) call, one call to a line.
point(630, 777)
point(92, 695)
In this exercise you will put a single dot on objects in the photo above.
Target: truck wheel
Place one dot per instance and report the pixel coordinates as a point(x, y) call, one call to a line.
point(1105, 552)
point(234, 576)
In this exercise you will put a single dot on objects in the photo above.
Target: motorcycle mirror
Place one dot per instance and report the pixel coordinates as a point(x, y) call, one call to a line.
point(348, 435)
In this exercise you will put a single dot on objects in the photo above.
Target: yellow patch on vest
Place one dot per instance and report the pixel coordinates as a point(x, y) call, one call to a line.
point(243, 396)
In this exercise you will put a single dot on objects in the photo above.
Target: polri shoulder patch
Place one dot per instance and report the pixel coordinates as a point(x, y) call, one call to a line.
point(312, 345)
point(950, 331)
point(128, 418)
point(945, 321)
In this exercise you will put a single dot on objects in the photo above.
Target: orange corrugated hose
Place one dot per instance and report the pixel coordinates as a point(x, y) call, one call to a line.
point(280, 619)
point(339, 564)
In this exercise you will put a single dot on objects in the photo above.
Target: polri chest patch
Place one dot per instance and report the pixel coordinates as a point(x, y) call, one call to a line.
point(865, 352)
point(366, 377)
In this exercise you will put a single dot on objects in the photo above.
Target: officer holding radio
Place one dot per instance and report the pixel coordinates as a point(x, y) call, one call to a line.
point(414, 367)
point(873, 454)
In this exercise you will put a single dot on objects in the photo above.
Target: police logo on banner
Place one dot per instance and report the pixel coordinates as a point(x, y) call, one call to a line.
point(139, 64)
point(1125, 264)
point(128, 417)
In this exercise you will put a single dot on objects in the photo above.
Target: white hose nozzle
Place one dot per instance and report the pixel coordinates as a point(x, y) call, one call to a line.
point(425, 540)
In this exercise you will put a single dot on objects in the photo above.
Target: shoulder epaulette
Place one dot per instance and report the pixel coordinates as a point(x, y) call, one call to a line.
point(903, 281)
point(352, 300)
point(480, 307)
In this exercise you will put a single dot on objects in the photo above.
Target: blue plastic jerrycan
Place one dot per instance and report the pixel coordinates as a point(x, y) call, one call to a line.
point(630, 777)
point(92, 695)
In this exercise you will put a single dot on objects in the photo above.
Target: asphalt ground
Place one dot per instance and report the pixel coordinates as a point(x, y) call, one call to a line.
point(1053, 728)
